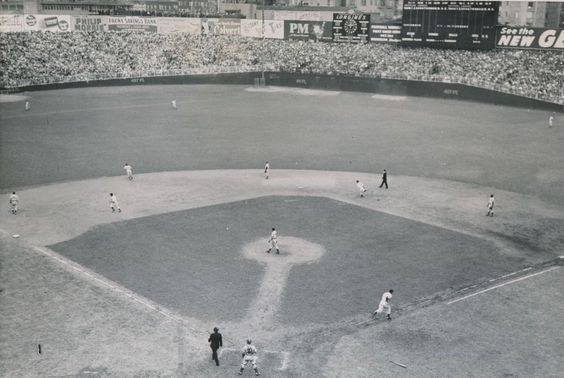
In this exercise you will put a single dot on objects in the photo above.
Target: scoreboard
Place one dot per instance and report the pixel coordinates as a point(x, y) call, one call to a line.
point(455, 24)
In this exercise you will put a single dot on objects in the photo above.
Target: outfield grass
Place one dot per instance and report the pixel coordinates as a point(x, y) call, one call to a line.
point(83, 133)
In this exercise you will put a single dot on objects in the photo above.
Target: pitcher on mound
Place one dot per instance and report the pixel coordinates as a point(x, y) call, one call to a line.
point(273, 241)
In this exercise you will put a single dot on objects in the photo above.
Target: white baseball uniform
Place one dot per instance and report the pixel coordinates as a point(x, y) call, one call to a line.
point(114, 203)
point(361, 188)
point(490, 206)
point(550, 121)
point(14, 200)
point(173, 103)
point(129, 171)
point(250, 355)
point(385, 304)
point(27, 105)
point(266, 170)
point(273, 241)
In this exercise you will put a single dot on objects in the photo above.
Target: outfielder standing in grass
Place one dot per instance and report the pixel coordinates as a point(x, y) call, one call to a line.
point(273, 241)
point(385, 305)
point(129, 171)
point(14, 200)
point(490, 206)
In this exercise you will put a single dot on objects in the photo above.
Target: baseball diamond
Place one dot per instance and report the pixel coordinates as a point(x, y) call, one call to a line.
point(137, 292)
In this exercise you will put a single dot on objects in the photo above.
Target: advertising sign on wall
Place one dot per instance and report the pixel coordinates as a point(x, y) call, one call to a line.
point(10, 23)
point(90, 23)
point(523, 37)
point(273, 29)
point(216, 26)
point(251, 28)
point(385, 33)
point(308, 30)
point(351, 27)
point(48, 22)
point(144, 24)
point(168, 25)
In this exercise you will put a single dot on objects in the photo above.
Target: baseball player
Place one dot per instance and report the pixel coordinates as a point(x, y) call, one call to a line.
point(490, 206)
point(173, 103)
point(27, 105)
point(249, 355)
point(551, 120)
point(385, 305)
point(114, 203)
point(361, 188)
point(273, 241)
point(266, 170)
point(129, 171)
point(14, 200)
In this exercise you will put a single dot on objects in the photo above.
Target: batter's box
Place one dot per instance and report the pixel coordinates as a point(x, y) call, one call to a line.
point(266, 359)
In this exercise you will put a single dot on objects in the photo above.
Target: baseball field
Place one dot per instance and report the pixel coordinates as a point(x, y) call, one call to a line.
point(88, 292)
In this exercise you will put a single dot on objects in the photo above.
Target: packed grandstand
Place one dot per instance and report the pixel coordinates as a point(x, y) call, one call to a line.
point(30, 58)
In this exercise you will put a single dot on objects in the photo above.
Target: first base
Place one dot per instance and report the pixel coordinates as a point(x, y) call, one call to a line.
point(16, 235)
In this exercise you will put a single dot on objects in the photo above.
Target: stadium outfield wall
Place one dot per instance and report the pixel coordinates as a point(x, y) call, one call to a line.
point(375, 85)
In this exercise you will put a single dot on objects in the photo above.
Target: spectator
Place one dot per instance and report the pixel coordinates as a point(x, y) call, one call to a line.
point(38, 58)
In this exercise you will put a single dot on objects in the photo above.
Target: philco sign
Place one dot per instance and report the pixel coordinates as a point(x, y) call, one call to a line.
point(522, 37)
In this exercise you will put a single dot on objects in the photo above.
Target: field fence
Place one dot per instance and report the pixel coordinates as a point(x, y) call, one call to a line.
point(14, 85)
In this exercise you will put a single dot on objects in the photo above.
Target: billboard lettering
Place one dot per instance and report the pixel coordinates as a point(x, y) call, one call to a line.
point(523, 37)
point(308, 30)
point(385, 33)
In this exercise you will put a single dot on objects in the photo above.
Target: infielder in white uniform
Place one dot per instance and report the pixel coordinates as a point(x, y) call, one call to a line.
point(361, 188)
point(14, 200)
point(129, 171)
point(249, 355)
point(551, 120)
point(385, 305)
point(490, 206)
point(114, 203)
point(27, 105)
point(173, 103)
point(273, 241)
point(266, 170)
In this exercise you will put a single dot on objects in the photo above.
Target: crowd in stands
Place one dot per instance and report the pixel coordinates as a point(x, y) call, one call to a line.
point(36, 58)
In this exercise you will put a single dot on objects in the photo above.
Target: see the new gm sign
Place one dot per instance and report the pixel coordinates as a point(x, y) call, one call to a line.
point(522, 37)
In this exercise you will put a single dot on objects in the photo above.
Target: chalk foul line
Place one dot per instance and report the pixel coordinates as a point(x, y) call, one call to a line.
point(502, 284)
